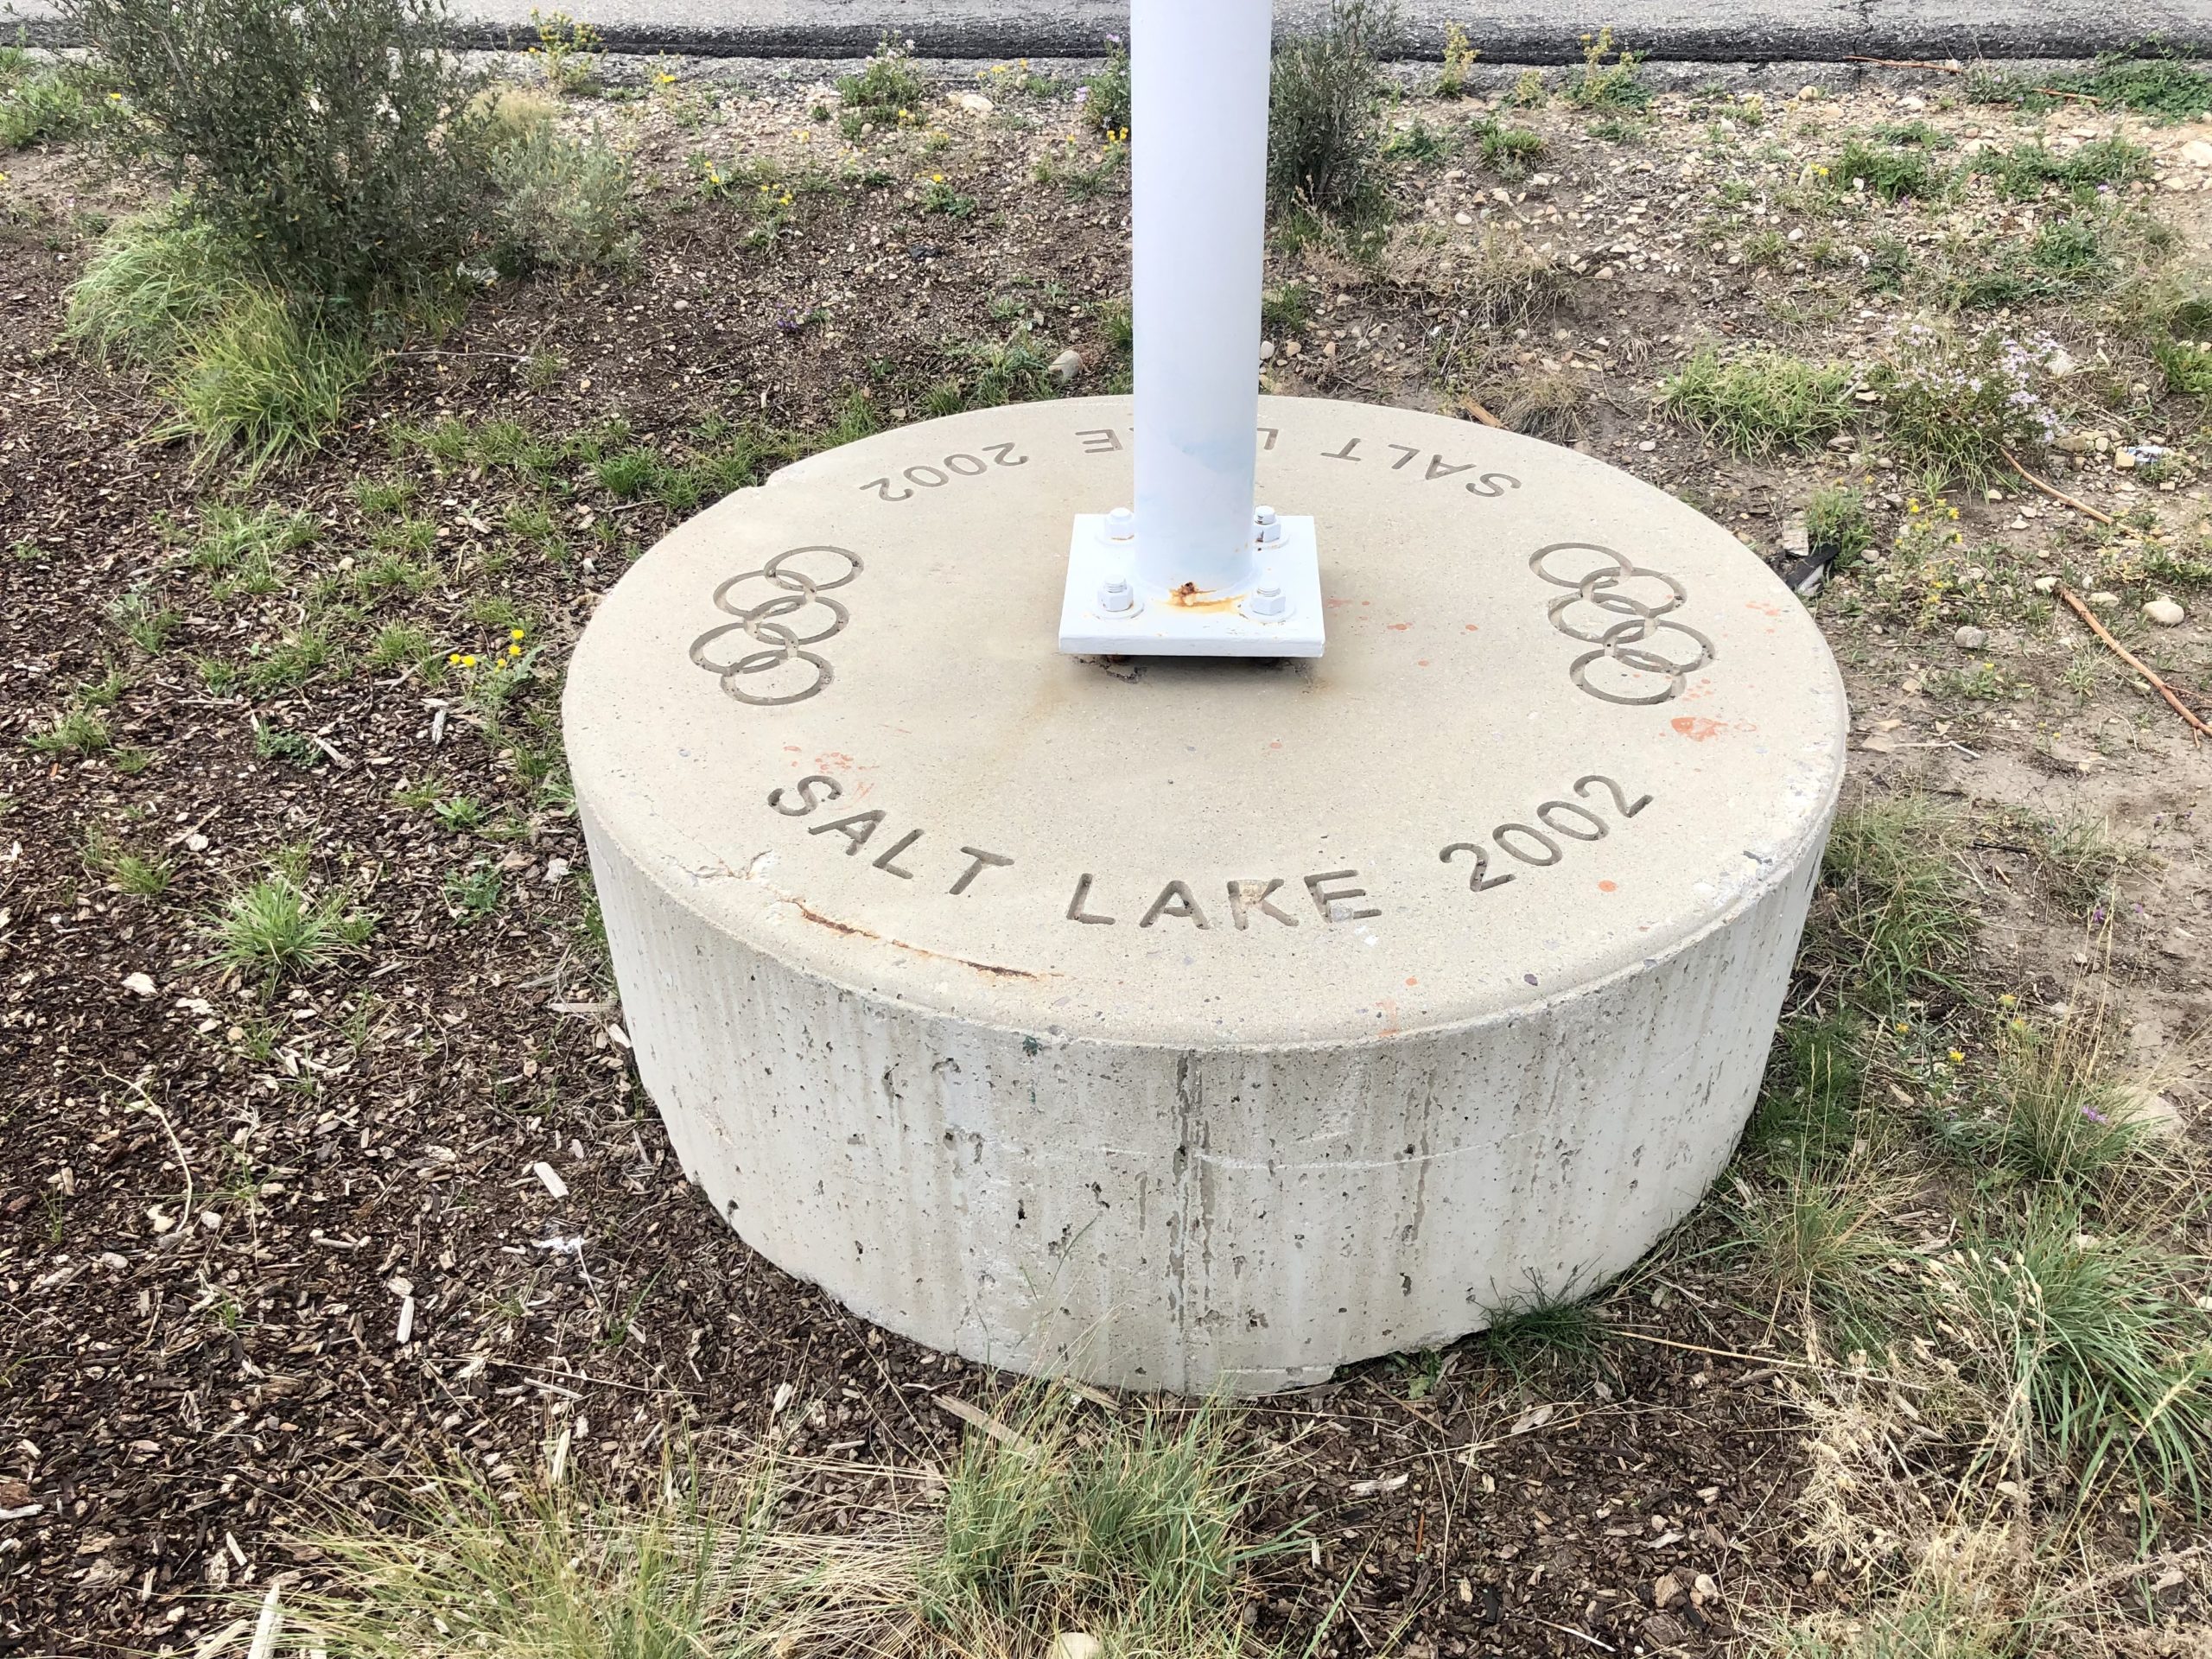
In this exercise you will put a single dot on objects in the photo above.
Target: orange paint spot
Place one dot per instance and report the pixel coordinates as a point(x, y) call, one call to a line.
point(1275, 743)
point(1397, 627)
point(1696, 727)
point(1421, 662)
point(1607, 887)
point(1410, 980)
point(1471, 628)
point(834, 760)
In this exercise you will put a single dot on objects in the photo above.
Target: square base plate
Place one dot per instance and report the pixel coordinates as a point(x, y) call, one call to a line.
point(1157, 626)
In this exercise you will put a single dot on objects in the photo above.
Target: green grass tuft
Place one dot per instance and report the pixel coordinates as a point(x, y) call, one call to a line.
point(2101, 1361)
point(1760, 403)
point(263, 383)
point(271, 930)
point(1896, 919)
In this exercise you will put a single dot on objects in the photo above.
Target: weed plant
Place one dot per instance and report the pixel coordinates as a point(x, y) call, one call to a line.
point(2148, 78)
point(1838, 524)
point(1105, 96)
point(1890, 172)
point(1609, 78)
point(887, 86)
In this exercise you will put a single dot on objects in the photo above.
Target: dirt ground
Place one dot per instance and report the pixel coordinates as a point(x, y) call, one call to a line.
point(217, 1204)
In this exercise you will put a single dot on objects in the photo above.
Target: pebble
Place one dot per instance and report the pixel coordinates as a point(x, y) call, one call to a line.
point(2046, 584)
point(138, 984)
point(2165, 613)
point(2197, 150)
point(1067, 366)
point(973, 103)
point(1971, 639)
point(2104, 601)
point(1075, 1645)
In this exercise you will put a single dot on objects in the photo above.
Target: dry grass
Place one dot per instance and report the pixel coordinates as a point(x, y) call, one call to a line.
point(1127, 1527)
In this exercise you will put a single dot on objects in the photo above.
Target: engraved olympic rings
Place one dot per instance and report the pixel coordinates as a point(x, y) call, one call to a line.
point(780, 642)
point(1640, 599)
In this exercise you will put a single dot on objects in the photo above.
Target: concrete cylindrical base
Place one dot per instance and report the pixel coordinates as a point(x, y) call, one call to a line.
point(1194, 1025)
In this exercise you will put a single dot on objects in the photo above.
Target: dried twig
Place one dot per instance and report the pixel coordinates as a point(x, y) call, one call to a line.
point(2074, 603)
point(1774, 1360)
point(183, 1163)
point(1955, 69)
point(1906, 63)
point(2054, 492)
point(990, 1425)
point(1481, 414)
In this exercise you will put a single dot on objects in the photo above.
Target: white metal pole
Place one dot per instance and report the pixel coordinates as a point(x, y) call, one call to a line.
point(1198, 78)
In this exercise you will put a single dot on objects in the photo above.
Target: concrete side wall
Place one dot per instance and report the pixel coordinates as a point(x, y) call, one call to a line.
point(1167, 1219)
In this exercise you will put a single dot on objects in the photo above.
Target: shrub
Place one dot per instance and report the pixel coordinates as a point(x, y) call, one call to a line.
point(1325, 111)
point(335, 145)
point(564, 203)
point(1105, 96)
point(1959, 402)
point(1761, 403)
point(39, 103)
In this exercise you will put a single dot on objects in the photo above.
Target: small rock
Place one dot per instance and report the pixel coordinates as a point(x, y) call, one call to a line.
point(1463, 219)
point(2165, 613)
point(1971, 638)
point(1067, 366)
point(2124, 461)
point(2059, 364)
point(2104, 601)
point(1075, 1645)
point(2198, 151)
point(973, 103)
point(138, 984)
point(2150, 1109)
point(195, 842)
point(2046, 584)
point(1266, 350)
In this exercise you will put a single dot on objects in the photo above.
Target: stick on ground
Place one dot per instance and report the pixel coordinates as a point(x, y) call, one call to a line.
point(2056, 494)
point(2074, 602)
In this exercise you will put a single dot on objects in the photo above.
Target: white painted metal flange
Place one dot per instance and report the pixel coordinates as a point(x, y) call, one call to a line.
point(1185, 1023)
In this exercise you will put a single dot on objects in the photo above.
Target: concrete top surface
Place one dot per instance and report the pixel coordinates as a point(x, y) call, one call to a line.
point(1514, 773)
point(1521, 32)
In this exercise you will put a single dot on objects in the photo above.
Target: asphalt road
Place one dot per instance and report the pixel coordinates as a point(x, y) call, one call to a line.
point(1518, 32)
